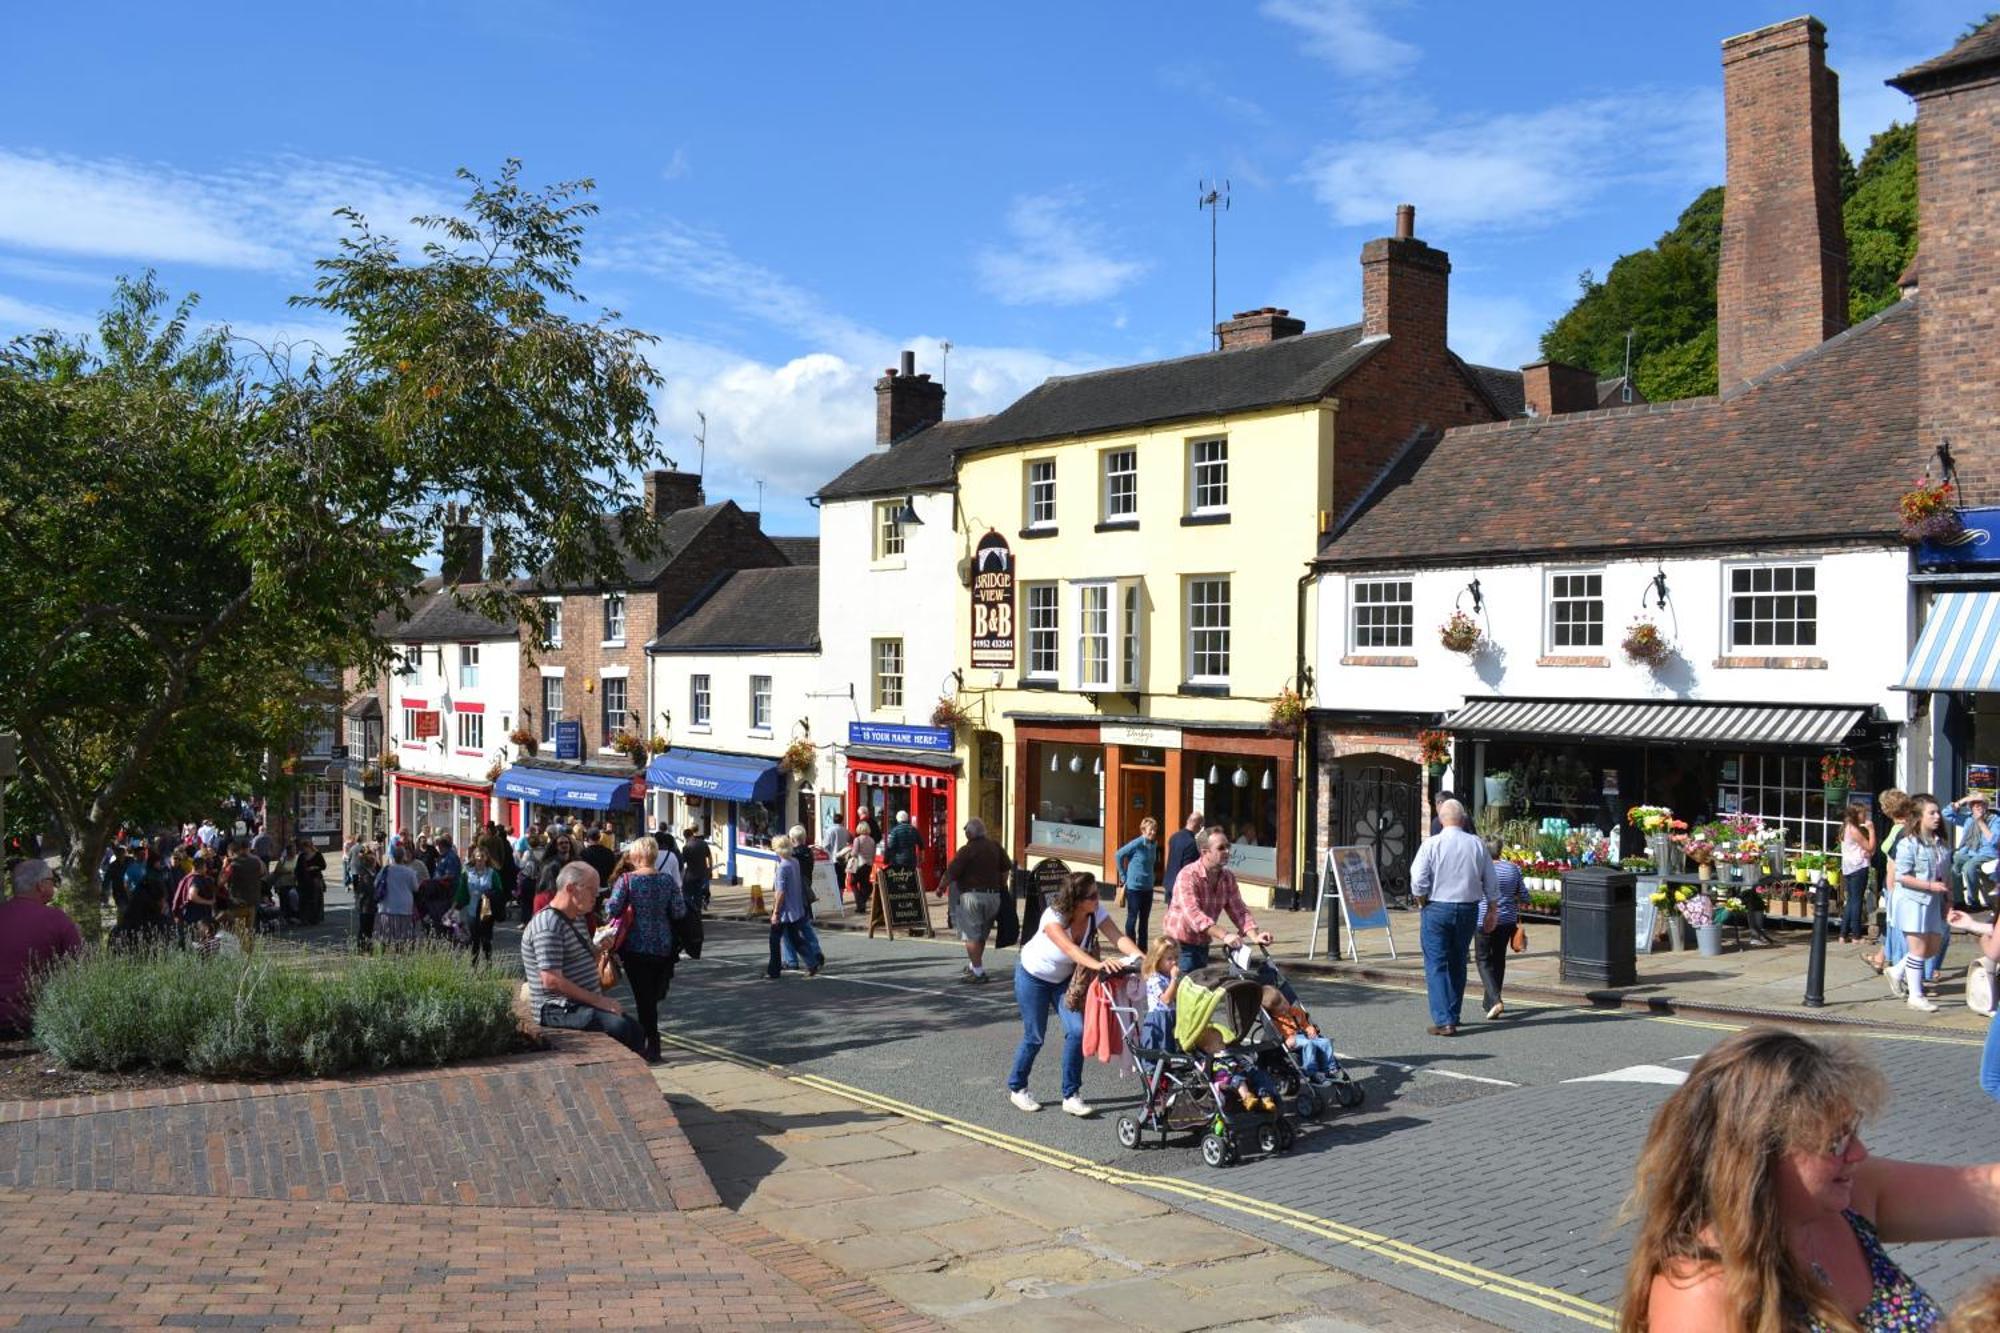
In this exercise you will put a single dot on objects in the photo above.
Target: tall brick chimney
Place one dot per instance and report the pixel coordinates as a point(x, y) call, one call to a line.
point(1251, 327)
point(1551, 387)
point(1404, 284)
point(462, 554)
point(906, 402)
point(670, 492)
point(1958, 255)
point(1782, 285)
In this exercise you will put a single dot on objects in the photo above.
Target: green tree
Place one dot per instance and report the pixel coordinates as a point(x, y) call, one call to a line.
point(191, 525)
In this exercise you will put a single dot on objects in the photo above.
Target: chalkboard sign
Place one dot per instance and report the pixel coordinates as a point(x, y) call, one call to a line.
point(902, 894)
point(1050, 876)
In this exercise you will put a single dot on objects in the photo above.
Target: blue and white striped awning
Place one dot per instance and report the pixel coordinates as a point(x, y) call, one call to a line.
point(1654, 723)
point(1960, 646)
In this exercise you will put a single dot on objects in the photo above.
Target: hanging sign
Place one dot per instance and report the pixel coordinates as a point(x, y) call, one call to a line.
point(993, 603)
point(569, 739)
point(897, 736)
point(426, 724)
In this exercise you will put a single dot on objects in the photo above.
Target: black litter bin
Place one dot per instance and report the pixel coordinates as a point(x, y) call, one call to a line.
point(1598, 905)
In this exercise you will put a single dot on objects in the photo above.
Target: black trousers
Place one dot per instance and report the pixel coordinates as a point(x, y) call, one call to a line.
point(482, 936)
point(1489, 950)
point(651, 974)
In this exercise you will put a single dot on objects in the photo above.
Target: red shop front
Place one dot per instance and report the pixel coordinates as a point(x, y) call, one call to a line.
point(422, 801)
point(878, 788)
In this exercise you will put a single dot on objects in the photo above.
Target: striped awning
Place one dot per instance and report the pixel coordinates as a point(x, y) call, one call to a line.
point(1657, 723)
point(1960, 646)
point(869, 776)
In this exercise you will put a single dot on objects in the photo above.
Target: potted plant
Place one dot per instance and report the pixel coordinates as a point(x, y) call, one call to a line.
point(1499, 787)
point(1836, 773)
point(525, 740)
point(1460, 634)
point(392, 761)
point(1644, 645)
point(371, 782)
point(631, 746)
point(798, 757)
point(494, 770)
point(952, 716)
point(1435, 747)
point(1929, 514)
point(1699, 912)
point(1288, 710)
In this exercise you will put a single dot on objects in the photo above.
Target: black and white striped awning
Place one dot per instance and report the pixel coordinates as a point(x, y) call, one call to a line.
point(1658, 723)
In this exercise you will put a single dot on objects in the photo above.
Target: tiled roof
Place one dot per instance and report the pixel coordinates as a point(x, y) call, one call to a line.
point(1981, 47)
point(770, 610)
point(920, 462)
point(1299, 369)
point(678, 531)
point(798, 550)
point(1611, 392)
point(442, 619)
point(1503, 388)
point(1819, 448)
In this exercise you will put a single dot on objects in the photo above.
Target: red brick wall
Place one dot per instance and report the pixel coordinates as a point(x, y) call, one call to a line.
point(1399, 389)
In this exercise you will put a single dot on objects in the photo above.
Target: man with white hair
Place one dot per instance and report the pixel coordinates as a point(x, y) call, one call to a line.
point(560, 963)
point(33, 934)
point(977, 877)
point(1451, 878)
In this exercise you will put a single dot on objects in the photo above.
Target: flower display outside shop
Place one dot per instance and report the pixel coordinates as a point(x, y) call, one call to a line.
point(1288, 710)
point(1697, 910)
point(1929, 513)
point(799, 757)
point(1461, 634)
point(1436, 749)
point(1652, 819)
point(950, 714)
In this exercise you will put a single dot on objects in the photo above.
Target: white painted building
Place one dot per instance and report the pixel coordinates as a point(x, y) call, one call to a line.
point(449, 707)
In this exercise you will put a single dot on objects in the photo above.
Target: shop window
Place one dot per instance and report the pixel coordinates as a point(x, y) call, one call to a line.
point(1093, 636)
point(1383, 614)
point(319, 806)
point(1208, 477)
point(699, 700)
point(760, 703)
point(552, 705)
point(612, 690)
point(1773, 606)
point(888, 532)
point(1238, 793)
point(318, 742)
point(1121, 485)
point(472, 731)
point(1576, 609)
point(888, 684)
point(1042, 617)
point(1066, 797)
point(1040, 504)
point(614, 617)
point(468, 666)
point(552, 633)
point(753, 824)
point(1782, 790)
point(1208, 631)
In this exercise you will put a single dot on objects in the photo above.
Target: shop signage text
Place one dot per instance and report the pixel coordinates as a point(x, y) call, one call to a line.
point(1979, 544)
point(569, 740)
point(901, 738)
point(993, 603)
point(1158, 738)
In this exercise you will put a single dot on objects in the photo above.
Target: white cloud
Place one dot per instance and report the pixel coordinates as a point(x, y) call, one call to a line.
point(1199, 83)
point(18, 317)
point(1522, 171)
point(1502, 331)
point(1059, 256)
point(677, 166)
point(1345, 35)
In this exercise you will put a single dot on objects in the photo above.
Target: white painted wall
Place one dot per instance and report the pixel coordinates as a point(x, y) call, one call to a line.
point(498, 688)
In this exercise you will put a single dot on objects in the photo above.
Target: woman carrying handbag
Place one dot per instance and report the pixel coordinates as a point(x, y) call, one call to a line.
point(1490, 948)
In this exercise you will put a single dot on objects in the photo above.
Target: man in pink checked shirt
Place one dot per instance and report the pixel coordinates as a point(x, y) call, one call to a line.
point(1205, 900)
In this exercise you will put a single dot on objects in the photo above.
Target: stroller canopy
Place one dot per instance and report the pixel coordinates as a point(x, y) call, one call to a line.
point(1211, 997)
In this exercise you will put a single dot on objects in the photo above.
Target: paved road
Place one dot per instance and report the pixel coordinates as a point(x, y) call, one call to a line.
point(1480, 1174)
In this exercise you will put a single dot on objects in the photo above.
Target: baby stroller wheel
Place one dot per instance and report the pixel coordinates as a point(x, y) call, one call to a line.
point(1309, 1102)
point(1348, 1093)
point(1128, 1132)
point(1216, 1149)
point(1267, 1137)
point(1286, 1136)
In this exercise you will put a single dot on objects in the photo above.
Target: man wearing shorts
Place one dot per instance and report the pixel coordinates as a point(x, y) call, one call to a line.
point(978, 874)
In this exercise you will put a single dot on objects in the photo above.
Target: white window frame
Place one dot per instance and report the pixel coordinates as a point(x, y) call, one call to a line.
point(1217, 483)
point(886, 687)
point(468, 666)
point(701, 700)
point(1551, 599)
point(472, 731)
point(614, 610)
point(410, 725)
point(552, 636)
point(1195, 651)
point(1044, 631)
point(1406, 631)
point(1095, 633)
point(1111, 476)
point(1130, 612)
point(1809, 640)
point(1033, 481)
point(552, 716)
point(604, 684)
point(889, 537)
point(760, 704)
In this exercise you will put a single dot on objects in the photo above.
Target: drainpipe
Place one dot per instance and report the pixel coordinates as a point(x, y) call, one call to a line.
point(1303, 867)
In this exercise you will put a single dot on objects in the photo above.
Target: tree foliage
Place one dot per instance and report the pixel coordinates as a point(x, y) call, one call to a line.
point(194, 530)
point(1665, 294)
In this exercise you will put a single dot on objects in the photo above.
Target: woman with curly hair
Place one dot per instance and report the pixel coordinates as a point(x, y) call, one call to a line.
point(1760, 1210)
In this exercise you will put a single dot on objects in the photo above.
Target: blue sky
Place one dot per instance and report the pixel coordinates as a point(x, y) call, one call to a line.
point(791, 193)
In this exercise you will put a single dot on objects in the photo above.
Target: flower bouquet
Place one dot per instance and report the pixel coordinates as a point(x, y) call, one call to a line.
point(1644, 645)
point(1697, 910)
point(1928, 513)
point(1651, 819)
point(1699, 845)
point(1461, 634)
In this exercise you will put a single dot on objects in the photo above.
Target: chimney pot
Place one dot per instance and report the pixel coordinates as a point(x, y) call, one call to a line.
point(1263, 325)
point(1406, 221)
point(906, 402)
point(909, 362)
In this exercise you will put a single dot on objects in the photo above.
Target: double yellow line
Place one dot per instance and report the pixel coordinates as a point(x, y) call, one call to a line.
point(1543, 1298)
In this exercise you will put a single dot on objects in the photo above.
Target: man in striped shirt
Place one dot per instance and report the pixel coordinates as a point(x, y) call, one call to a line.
point(561, 966)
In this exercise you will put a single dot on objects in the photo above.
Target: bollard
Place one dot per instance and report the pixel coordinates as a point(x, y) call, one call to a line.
point(1816, 962)
point(757, 907)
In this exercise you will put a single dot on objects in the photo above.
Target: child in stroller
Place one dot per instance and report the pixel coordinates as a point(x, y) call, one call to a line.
point(1289, 1046)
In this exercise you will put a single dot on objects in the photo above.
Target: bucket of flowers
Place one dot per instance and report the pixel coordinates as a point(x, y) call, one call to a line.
point(1699, 846)
point(1461, 634)
point(1644, 645)
point(1928, 513)
point(1698, 911)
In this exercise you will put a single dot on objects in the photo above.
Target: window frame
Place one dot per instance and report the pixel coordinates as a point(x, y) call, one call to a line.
point(552, 716)
point(410, 661)
point(471, 731)
point(1032, 631)
point(763, 724)
point(1130, 630)
point(1774, 648)
point(1101, 590)
point(1192, 651)
point(1109, 477)
point(889, 541)
point(552, 637)
point(468, 666)
point(701, 700)
point(878, 678)
point(1029, 483)
point(1355, 583)
point(617, 600)
point(1196, 464)
point(1550, 600)
point(604, 684)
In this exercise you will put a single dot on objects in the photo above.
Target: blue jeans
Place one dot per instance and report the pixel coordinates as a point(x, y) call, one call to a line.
point(791, 955)
point(1035, 996)
point(1138, 915)
point(793, 933)
point(1315, 1054)
point(1855, 886)
point(1447, 934)
point(1193, 956)
point(1989, 1062)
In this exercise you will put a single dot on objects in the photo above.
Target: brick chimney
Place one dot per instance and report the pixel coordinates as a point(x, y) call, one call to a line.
point(906, 402)
point(1404, 284)
point(1782, 285)
point(463, 552)
point(1251, 327)
point(670, 492)
point(1958, 256)
point(1552, 387)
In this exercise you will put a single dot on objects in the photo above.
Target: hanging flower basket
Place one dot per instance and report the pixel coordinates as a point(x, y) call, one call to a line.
point(526, 740)
point(950, 714)
point(1836, 773)
point(1461, 634)
point(1929, 514)
point(1436, 749)
point(392, 760)
point(657, 744)
point(371, 777)
point(494, 770)
point(798, 758)
point(1644, 645)
point(1288, 710)
point(631, 746)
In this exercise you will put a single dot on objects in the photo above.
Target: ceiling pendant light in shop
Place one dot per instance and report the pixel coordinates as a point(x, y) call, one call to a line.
point(1055, 760)
point(1240, 777)
point(1076, 762)
point(1213, 776)
point(1267, 779)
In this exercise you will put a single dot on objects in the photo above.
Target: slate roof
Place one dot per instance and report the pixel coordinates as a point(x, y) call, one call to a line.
point(1503, 388)
point(1819, 448)
point(920, 462)
point(1975, 49)
point(1299, 369)
point(768, 610)
point(1609, 392)
point(441, 619)
point(798, 550)
point(678, 531)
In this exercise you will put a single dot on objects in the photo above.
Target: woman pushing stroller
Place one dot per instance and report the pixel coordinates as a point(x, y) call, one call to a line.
point(1064, 941)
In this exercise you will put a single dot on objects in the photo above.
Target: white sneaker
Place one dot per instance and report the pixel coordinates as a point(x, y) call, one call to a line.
point(1499, 1007)
point(1918, 1001)
point(1021, 1098)
point(1078, 1107)
point(1896, 980)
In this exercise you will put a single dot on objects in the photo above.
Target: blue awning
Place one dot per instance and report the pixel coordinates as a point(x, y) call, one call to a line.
point(1960, 646)
point(727, 777)
point(554, 786)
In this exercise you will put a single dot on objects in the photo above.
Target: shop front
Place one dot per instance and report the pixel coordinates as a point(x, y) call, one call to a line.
point(1085, 787)
point(885, 782)
point(736, 800)
point(1954, 676)
point(559, 793)
point(441, 805)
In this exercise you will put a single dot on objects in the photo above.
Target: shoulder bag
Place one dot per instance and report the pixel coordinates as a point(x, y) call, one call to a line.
point(1079, 980)
point(607, 961)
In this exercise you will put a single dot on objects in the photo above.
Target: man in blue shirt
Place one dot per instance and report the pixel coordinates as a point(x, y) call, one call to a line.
point(1978, 843)
point(1453, 879)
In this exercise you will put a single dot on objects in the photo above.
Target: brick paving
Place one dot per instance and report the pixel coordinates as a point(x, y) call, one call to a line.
point(553, 1189)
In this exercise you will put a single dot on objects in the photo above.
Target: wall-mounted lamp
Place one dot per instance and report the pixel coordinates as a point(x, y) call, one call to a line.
point(1478, 598)
point(906, 517)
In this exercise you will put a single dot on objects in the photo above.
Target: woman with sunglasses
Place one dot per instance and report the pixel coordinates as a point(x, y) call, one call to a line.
point(1047, 961)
